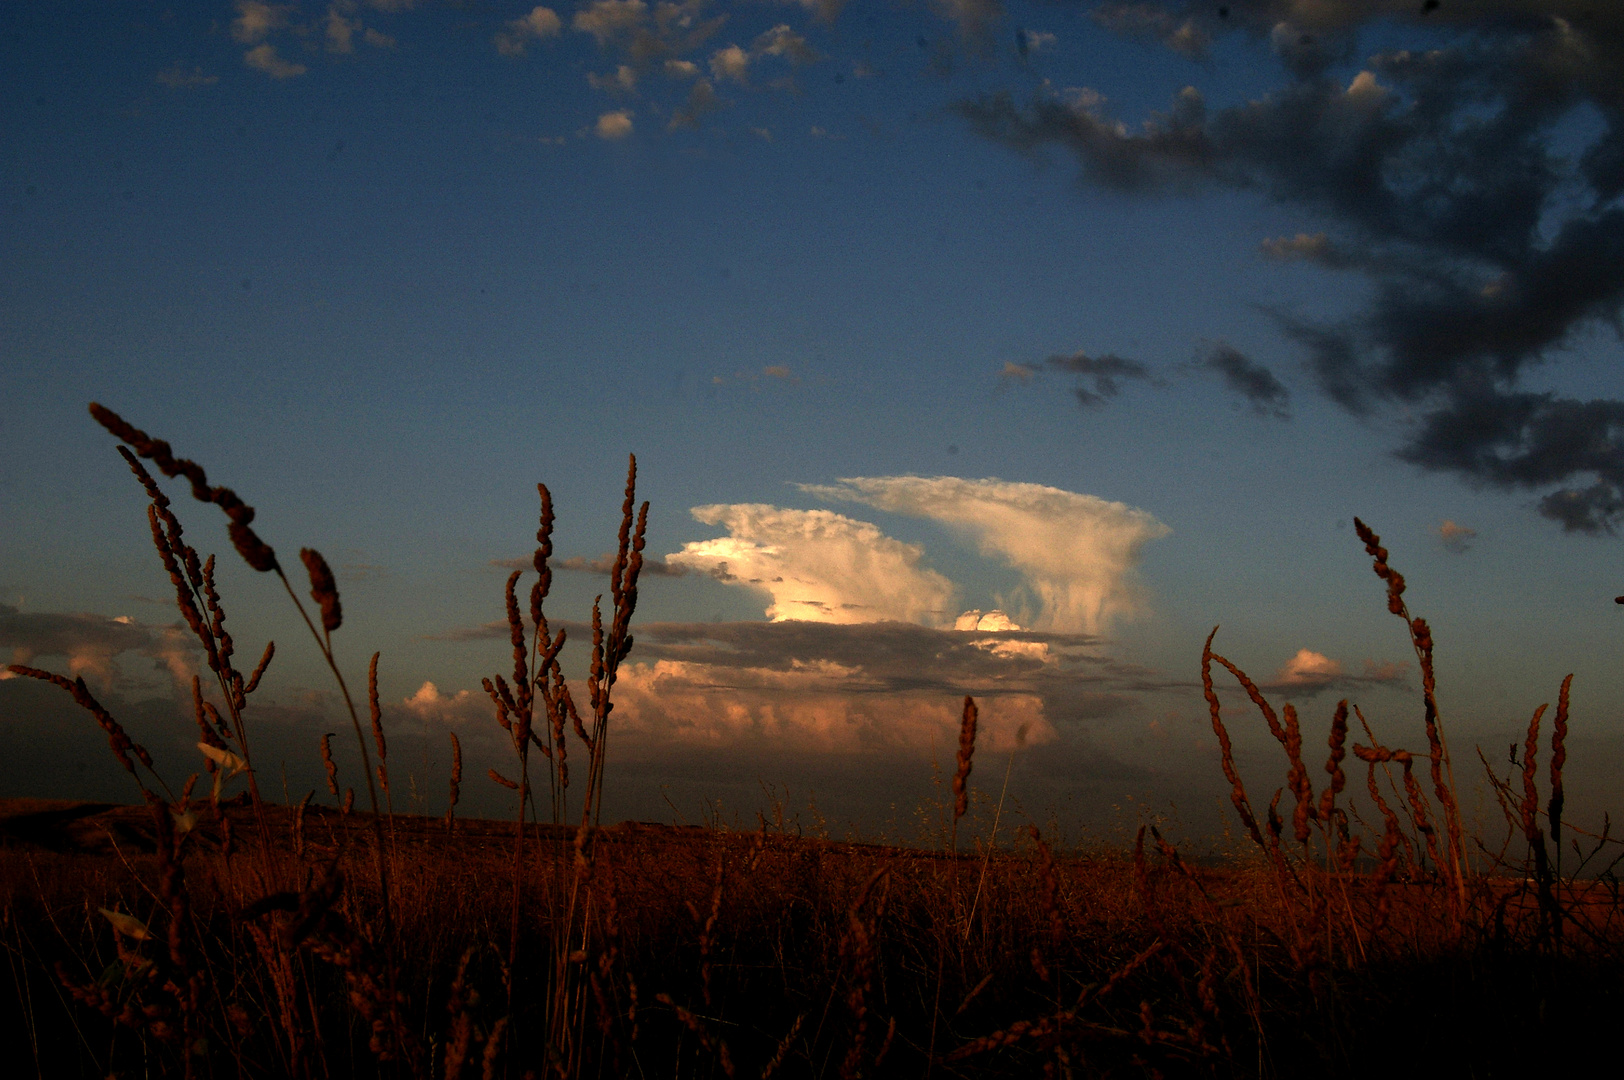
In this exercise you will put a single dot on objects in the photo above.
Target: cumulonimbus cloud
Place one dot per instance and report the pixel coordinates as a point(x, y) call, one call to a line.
point(1076, 553)
point(818, 565)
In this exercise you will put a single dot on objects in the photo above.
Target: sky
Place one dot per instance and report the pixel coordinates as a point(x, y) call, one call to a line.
point(965, 347)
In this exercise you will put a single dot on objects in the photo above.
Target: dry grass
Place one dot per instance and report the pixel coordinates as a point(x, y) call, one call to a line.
point(216, 934)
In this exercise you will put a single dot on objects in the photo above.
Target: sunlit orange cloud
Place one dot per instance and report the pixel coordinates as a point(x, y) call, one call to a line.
point(818, 707)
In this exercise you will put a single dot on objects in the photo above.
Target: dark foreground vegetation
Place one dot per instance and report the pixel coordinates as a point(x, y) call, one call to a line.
point(208, 932)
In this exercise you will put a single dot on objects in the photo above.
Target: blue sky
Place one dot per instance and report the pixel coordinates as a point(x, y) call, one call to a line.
point(1108, 316)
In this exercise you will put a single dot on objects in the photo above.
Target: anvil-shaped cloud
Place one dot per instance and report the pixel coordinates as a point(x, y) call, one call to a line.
point(1076, 553)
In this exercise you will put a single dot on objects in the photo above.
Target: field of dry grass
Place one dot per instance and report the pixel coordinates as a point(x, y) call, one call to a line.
point(211, 932)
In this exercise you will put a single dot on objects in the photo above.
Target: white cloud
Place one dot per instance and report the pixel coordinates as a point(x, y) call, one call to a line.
point(810, 707)
point(730, 63)
point(996, 621)
point(818, 565)
point(782, 41)
point(1076, 553)
point(542, 22)
point(1308, 668)
point(264, 58)
point(604, 19)
point(462, 707)
point(614, 125)
point(256, 20)
point(681, 69)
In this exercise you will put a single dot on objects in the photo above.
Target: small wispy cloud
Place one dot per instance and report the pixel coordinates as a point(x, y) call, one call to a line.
point(265, 58)
point(1255, 383)
point(1456, 538)
point(1099, 378)
point(1309, 673)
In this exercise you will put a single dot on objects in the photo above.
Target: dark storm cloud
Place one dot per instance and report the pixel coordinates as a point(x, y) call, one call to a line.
point(1254, 382)
point(896, 656)
point(1474, 181)
point(1103, 374)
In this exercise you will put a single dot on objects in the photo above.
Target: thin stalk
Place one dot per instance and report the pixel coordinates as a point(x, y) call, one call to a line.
point(992, 840)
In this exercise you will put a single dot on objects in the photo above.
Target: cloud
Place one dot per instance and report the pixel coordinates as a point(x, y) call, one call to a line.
point(823, 10)
point(1254, 382)
point(1310, 673)
point(541, 23)
point(1489, 232)
point(604, 564)
point(377, 39)
point(92, 644)
point(645, 37)
point(264, 58)
point(606, 19)
point(973, 19)
point(340, 32)
point(1032, 41)
point(623, 81)
point(1013, 372)
point(178, 78)
point(1155, 23)
point(1456, 538)
point(681, 69)
point(702, 101)
point(1104, 373)
point(730, 63)
point(810, 709)
point(1315, 247)
point(855, 688)
point(255, 20)
point(1076, 553)
point(817, 565)
point(784, 42)
point(428, 704)
point(614, 125)
point(1308, 667)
